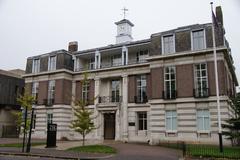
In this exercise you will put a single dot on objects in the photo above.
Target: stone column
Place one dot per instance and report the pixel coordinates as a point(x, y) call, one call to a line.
point(124, 51)
point(71, 134)
point(124, 107)
point(97, 120)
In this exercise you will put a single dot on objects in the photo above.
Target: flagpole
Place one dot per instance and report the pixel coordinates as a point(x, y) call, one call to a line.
point(216, 82)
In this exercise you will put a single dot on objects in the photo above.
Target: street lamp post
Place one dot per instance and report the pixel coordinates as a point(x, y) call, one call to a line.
point(24, 130)
point(30, 131)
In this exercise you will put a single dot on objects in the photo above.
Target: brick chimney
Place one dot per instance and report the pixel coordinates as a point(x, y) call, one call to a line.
point(73, 46)
point(219, 14)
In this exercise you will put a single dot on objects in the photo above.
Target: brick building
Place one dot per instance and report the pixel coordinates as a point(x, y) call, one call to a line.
point(11, 86)
point(161, 88)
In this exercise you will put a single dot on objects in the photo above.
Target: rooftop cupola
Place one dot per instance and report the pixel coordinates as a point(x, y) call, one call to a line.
point(124, 29)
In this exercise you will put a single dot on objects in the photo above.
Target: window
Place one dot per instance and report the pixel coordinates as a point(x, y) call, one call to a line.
point(198, 40)
point(116, 60)
point(35, 86)
point(91, 63)
point(141, 89)
point(115, 90)
point(52, 63)
point(85, 91)
point(201, 82)
point(142, 120)
point(203, 120)
point(51, 91)
point(36, 66)
point(171, 120)
point(49, 118)
point(168, 44)
point(141, 56)
point(170, 82)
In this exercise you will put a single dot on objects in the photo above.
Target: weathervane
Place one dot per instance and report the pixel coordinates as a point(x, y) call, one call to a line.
point(124, 12)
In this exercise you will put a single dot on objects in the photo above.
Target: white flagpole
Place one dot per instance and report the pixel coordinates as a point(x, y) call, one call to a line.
point(216, 82)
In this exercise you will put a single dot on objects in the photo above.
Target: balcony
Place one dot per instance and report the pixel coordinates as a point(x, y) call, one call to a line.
point(48, 102)
point(139, 99)
point(169, 94)
point(201, 93)
point(109, 99)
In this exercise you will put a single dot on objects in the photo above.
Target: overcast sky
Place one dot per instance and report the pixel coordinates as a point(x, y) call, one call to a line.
point(32, 27)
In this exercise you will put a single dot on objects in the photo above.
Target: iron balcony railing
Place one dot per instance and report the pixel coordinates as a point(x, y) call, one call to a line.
point(109, 65)
point(201, 92)
point(169, 94)
point(48, 102)
point(109, 99)
point(139, 99)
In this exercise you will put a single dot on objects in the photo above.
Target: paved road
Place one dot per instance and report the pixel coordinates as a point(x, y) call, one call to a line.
point(23, 158)
point(144, 152)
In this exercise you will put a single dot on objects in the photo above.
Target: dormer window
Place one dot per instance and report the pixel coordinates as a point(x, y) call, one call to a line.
point(168, 44)
point(36, 66)
point(52, 63)
point(198, 40)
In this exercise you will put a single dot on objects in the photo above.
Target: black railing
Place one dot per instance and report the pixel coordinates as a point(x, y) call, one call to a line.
point(109, 99)
point(48, 102)
point(201, 93)
point(169, 94)
point(139, 99)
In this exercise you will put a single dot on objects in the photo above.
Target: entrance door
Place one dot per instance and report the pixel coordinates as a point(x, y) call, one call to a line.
point(109, 126)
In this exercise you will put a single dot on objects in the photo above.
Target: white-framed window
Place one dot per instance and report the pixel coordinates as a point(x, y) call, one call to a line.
point(85, 91)
point(198, 40)
point(49, 118)
point(35, 87)
point(115, 89)
point(170, 82)
point(201, 80)
point(203, 120)
point(141, 56)
point(52, 63)
point(141, 88)
point(92, 63)
point(171, 120)
point(51, 90)
point(168, 44)
point(36, 66)
point(142, 120)
point(116, 60)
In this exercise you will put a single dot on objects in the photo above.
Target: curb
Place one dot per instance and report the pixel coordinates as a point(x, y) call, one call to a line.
point(50, 156)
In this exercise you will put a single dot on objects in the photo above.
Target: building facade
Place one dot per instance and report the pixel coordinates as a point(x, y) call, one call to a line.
point(11, 86)
point(161, 88)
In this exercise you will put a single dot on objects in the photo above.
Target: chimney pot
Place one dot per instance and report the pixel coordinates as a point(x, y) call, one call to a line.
point(73, 46)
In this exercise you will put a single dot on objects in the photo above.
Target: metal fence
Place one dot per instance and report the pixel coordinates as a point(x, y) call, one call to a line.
point(201, 150)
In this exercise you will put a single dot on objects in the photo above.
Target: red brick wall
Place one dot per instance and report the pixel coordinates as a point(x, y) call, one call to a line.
point(131, 88)
point(43, 91)
point(221, 78)
point(157, 81)
point(91, 91)
point(185, 80)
